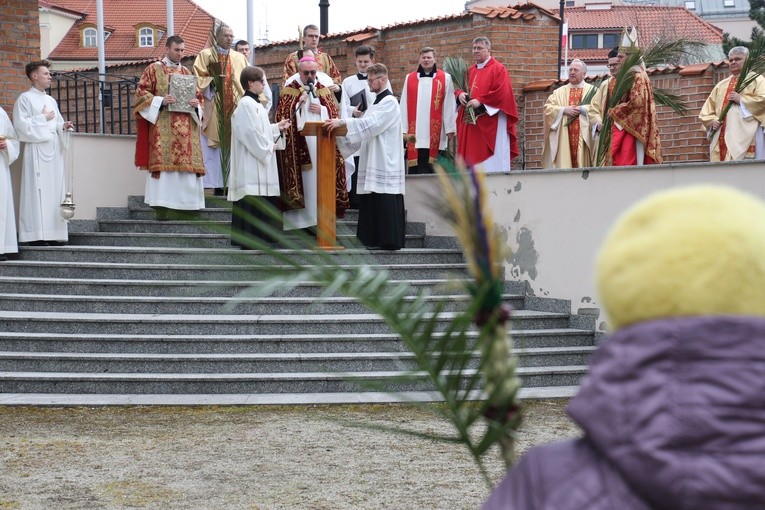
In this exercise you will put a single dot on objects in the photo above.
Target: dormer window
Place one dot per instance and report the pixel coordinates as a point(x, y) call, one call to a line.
point(89, 38)
point(146, 37)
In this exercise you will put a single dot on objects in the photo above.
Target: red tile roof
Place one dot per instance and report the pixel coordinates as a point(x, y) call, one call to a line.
point(191, 22)
point(524, 12)
point(652, 21)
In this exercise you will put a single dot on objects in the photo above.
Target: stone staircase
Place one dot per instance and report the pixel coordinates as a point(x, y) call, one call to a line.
point(139, 311)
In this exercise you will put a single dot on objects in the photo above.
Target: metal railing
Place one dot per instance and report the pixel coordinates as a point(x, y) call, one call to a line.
point(78, 95)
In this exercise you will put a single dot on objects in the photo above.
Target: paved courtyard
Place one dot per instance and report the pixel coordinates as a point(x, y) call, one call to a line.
point(253, 457)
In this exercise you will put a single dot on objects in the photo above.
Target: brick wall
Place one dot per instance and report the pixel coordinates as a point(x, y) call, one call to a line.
point(527, 47)
point(682, 138)
point(19, 45)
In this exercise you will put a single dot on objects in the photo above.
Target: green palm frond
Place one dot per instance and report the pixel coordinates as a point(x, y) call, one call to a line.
point(458, 69)
point(587, 98)
point(753, 67)
point(666, 98)
point(663, 52)
point(464, 355)
point(217, 73)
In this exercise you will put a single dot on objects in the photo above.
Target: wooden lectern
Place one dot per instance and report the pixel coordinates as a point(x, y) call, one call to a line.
point(326, 234)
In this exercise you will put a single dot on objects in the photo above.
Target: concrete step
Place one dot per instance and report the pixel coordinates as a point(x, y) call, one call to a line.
point(210, 304)
point(193, 240)
point(191, 288)
point(196, 240)
point(204, 226)
point(212, 205)
point(256, 363)
point(231, 272)
point(224, 383)
point(158, 399)
point(209, 213)
point(157, 324)
point(230, 255)
point(263, 344)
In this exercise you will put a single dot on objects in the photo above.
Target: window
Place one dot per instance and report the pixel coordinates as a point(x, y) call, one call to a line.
point(570, 3)
point(611, 40)
point(89, 39)
point(146, 38)
point(729, 3)
point(582, 41)
point(690, 5)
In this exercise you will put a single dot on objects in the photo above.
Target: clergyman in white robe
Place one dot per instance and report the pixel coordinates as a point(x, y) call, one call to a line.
point(308, 216)
point(377, 135)
point(423, 124)
point(253, 144)
point(254, 172)
point(43, 183)
point(8, 155)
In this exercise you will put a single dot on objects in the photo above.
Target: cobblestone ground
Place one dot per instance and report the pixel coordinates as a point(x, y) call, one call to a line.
point(244, 457)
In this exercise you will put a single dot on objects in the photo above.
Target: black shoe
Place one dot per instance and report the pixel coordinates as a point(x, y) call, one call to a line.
point(56, 243)
point(38, 243)
point(218, 192)
point(3, 258)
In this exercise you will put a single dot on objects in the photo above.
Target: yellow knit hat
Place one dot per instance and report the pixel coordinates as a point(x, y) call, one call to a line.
point(689, 251)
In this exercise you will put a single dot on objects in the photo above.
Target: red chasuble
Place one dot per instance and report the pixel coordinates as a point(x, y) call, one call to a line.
point(636, 114)
point(436, 113)
point(491, 86)
point(172, 143)
point(295, 158)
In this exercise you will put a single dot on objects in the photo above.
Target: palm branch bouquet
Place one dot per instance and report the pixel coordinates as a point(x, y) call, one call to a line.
point(587, 98)
point(754, 66)
point(464, 355)
point(218, 75)
point(458, 69)
point(662, 52)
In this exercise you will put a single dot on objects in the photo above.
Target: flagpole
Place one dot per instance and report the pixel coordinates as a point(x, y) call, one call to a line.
point(560, 34)
point(565, 45)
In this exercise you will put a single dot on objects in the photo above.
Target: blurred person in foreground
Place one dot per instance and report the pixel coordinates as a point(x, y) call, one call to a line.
point(672, 408)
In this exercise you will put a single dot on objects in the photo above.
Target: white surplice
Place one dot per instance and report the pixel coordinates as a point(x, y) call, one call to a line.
point(42, 178)
point(381, 164)
point(307, 216)
point(7, 215)
point(213, 177)
point(253, 162)
point(351, 86)
point(424, 101)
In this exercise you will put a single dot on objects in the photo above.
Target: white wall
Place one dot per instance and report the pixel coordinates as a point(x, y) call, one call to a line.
point(554, 221)
point(104, 174)
point(53, 28)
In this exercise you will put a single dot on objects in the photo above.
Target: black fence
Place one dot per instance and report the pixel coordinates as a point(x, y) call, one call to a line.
point(78, 93)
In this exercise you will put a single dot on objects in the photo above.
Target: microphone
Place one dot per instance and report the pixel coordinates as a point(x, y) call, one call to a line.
point(310, 88)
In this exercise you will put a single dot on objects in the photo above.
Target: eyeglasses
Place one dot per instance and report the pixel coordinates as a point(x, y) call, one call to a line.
point(308, 73)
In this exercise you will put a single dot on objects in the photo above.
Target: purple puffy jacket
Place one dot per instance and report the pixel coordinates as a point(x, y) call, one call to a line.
point(673, 412)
